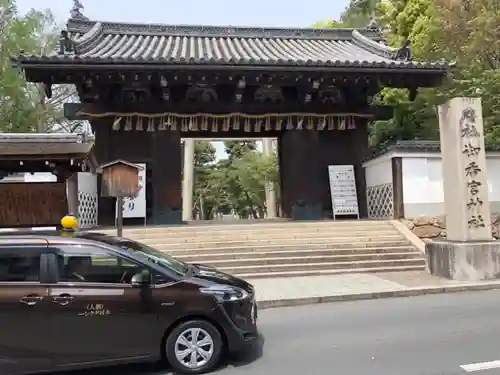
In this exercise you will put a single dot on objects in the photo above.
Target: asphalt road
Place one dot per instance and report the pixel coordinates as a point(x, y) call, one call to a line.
point(427, 335)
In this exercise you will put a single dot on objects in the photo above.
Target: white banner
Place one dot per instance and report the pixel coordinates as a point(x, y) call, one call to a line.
point(136, 207)
point(343, 190)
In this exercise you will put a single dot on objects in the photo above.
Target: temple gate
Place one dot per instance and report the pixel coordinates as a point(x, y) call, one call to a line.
point(144, 87)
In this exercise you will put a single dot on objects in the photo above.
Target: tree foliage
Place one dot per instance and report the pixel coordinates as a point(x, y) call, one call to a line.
point(23, 105)
point(464, 32)
point(327, 24)
point(233, 185)
point(359, 13)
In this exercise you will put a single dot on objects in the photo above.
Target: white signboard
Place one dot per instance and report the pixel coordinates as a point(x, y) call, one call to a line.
point(136, 207)
point(343, 190)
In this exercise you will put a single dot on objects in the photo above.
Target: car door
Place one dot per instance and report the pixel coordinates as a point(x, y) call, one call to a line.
point(101, 317)
point(24, 308)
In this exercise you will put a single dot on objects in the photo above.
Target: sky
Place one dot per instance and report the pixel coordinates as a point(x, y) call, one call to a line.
point(270, 13)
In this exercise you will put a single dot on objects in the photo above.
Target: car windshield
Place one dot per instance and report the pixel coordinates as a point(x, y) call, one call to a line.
point(153, 255)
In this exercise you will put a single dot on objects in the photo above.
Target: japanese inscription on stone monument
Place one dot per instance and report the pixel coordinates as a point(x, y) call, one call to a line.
point(464, 170)
point(471, 141)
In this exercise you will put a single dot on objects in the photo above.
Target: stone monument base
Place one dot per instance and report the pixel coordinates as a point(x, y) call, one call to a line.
point(464, 261)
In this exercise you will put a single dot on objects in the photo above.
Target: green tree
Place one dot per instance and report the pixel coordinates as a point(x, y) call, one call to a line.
point(236, 184)
point(204, 153)
point(23, 106)
point(467, 33)
point(327, 25)
point(250, 174)
point(217, 195)
point(204, 200)
point(471, 35)
point(413, 20)
point(359, 13)
point(237, 149)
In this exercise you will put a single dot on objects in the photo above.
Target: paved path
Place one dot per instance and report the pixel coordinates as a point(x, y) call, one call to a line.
point(426, 335)
point(288, 289)
point(321, 286)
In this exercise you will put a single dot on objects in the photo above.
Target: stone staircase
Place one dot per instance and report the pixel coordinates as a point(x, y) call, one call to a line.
point(278, 249)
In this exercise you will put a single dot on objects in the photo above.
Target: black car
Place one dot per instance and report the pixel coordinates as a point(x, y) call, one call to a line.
point(71, 301)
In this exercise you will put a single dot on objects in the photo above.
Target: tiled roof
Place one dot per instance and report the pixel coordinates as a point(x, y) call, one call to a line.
point(46, 149)
point(105, 42)
point(36, 144)
point(40, 138)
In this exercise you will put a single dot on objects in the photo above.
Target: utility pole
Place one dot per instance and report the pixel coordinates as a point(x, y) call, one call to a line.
point(267, 146)
point(188, 179)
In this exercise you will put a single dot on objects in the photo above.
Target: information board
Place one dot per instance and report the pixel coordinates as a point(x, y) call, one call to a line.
point(343, 190)
point(136, 207)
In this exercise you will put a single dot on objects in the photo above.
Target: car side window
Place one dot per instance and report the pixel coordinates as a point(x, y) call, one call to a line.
point(19, 264)
point(92, 264)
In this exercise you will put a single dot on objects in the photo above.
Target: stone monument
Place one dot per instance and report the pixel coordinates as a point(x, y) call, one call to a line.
point(468, 252)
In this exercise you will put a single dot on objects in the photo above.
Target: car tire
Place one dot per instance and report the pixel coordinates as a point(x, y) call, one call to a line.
point(180, 341)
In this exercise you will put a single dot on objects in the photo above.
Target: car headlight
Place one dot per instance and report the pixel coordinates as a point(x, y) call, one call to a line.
point(225, 293)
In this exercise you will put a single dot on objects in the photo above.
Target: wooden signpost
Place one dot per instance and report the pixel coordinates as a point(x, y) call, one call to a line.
point(119, 179)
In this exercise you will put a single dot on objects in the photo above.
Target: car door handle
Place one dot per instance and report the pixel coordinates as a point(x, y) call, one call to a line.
point(167, 304)
point(63, 300)
point(31, 300)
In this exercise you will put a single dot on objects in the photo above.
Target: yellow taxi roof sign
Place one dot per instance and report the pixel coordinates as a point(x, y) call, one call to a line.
point(69, 223)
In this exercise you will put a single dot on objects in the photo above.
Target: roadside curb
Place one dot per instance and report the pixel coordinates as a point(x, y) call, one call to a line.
point(410, 292)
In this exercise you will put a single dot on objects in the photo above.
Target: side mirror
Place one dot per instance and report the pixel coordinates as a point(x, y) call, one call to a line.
point(141, 279)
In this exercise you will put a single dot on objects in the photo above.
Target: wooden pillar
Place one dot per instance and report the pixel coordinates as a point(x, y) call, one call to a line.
point(300, 175)
point(397, 188)
point(166, 176)
point(72, 194)
point(361, 151)
point(284, 205)
point(283, 191)
point(104, 154)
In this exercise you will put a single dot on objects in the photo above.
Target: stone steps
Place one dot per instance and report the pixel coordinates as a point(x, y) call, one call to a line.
point(316, 226)
point(288, 251)
point(270, 242)
point(286, 248)
point(282, 234)
point(310, 268)
point(265, 275)
point(309, 259)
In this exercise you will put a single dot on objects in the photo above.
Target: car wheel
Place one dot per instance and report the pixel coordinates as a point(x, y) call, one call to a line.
point(194, 347)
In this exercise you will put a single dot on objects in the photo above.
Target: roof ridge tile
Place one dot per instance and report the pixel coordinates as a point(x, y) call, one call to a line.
point(83, 26)
point(103, 43)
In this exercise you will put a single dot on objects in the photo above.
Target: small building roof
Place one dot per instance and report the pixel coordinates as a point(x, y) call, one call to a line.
point(103, 43)
point(122, 162)
point(40, 145)
point(44, 147)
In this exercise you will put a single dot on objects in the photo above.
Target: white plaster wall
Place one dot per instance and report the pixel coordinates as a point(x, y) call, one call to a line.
point(493, 171)
point(422, 181)
point(18, 177)
point(40, 177)
point(423, 184)
point(87, 182)
point(378, 172)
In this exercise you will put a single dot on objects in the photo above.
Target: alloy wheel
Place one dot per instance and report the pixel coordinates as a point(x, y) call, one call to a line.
point(194, 348)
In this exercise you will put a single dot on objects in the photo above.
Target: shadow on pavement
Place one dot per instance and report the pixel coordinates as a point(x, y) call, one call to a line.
point(253, 353)
point(135, 369)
